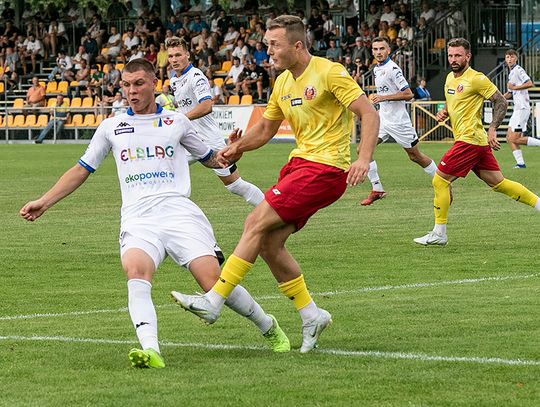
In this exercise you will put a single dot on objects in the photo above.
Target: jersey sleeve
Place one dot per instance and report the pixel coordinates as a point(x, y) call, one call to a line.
point(523, 77)
point(191, 141)
point(342, 85)
point(201, 87)
point(97, 150)
point(484, 86)
point(399, 79)
point(273, 110)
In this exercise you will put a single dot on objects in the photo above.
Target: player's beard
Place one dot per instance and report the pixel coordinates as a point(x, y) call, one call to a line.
point(458, 68)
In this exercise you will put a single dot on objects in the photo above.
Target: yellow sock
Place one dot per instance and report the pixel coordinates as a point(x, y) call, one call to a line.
point(516, 191)
point(233, 272)
point(441, 200)
point(296, 291)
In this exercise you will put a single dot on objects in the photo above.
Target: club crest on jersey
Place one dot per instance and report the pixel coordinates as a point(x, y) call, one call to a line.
point(168, 121)
point(310, 92)
point(459, 89)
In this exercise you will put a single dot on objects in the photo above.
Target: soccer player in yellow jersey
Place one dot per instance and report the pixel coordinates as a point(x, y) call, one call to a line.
point(317, 97)
point(465, 91)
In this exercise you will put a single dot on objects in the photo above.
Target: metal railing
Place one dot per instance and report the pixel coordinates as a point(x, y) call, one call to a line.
point(495, 24)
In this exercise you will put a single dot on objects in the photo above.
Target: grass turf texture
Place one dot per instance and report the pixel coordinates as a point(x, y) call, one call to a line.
point(68, 261)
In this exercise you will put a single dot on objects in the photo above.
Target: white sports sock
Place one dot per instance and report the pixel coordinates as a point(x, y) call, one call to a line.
point(373, 176)
point(309, 312)
point(440, 229)
point(431, 168)
point(531, 141)
point(518, 155)
point(215, 299)
point(537, 205)
point(241, 302)
point(249, 192)
point(142, 312)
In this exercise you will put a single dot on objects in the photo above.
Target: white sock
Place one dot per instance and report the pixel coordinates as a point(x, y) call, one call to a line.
point(431, 168)
point(440, 229)
point(249, 192)
point(309, 312)
point(373, 176)
point(531, 141)
point(518, 155)
point(241, 302)
point(142, 312)
point(537, 205)
point(215, 299)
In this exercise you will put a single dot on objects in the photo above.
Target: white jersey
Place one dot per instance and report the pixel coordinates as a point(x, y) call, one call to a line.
point(389, 80)
point(518, 76)
point(190, 88)
point(150, 156)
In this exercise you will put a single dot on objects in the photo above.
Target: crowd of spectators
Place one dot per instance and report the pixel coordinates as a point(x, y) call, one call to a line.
point(99, 41)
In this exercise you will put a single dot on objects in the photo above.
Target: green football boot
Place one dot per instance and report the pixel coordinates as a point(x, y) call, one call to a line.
point(276, 337)
point(146, 358)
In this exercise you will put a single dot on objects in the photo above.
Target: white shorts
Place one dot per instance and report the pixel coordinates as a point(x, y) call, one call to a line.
point(216, 144)
point(403, 134)
point(519, 119)
point(177, 228)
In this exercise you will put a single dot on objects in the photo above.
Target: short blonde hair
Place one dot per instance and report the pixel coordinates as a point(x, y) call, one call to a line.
point(294, 27)
point(174, 42)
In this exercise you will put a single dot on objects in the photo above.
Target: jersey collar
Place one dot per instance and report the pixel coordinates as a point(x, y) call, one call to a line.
point(159, 109)
point(385, 61)
point(186, 69)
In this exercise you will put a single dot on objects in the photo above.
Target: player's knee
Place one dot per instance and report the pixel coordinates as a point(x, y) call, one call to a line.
point(439, 183)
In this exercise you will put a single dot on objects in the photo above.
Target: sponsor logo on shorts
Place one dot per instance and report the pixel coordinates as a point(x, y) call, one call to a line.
point(443, 163)
point(276, 191)
point(296, 102)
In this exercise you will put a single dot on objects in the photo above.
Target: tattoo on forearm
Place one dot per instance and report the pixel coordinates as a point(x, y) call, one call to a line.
point(499, 109)
point(212, 161)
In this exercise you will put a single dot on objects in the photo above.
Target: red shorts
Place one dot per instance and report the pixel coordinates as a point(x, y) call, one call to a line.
point(303, 188)
point(464, 157)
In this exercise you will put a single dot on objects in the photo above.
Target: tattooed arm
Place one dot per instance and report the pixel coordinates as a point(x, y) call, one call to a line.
point(211, 161)
point(499, 112)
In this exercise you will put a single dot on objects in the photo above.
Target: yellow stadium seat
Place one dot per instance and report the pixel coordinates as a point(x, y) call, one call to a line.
point(42, 84)
point(89, 120)
point(218, 81)
point(62, 87)
point(119, 66)
point(18, 121)
point(18, 103)
point(51, 102)
point(234, 100)
point(74, 83)
point(42, 120)
point(105, 67)
point(87, 102)
point(159, 85)
point(30, 120)
point(76, 121)
point(246, 100)
point(1, 86)
point(225, 67)
point(166, 82)
point(11, 119)
point(76, 102)
point(51, 87)
point(104, 50)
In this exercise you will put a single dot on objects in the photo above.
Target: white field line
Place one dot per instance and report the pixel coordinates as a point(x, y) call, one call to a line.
point(421, 357)
point(272, 297)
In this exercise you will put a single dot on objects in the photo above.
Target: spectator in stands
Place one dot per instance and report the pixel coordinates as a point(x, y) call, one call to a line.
point(131, 12)
point(315, 28)
point(58, 119)
point(404, 12)
point(241, 51)
point(97, 30)
point(333, 53)
point(186, 23)
point(90, 47)
point(373, 16)
point(173, 24)
point(388, 15)
point(140, 26)
point(57, 37)
point(82, 76)
point(119, 105)
point(33, 50)
point(166, 100)
point(10, 30)
point(361, 51)
point(329, 28)
point(95, 83)
point(236, 6)
point(114, 44)
point(112, 76)
point(440, 11)
point(136, 52)
point(11, 60)
point(222, 23)
point(63, 64)
point(427, 12)
point(197, 25)
point(421, 92)
point(197, 8)
point(348, 42)
point(253, 78)
point(349, 65)
point(116, 10)
point(231, 80)
point(361, 69)
point(213, 11)
point(151, 55)
point(216, 92)
point(228, 41)
point(457, 26)
point(78, 57)
point(405, 31)
point(256, 35)
point(130, 41)
point(260, 55)
point(107, 98)
point(154, 27)
point(35, 95)
point(162, 62)
point(204, 56)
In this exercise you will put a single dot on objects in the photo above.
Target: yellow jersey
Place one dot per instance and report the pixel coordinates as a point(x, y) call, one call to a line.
point(316, 106)
point(465, 97)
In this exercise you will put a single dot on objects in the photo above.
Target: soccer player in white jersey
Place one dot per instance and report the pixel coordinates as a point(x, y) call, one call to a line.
point(392, 92)
point(191, 90)
point(158, 218)
point(518, 83)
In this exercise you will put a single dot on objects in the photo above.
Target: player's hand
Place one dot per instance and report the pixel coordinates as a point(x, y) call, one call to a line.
point(511, 86)
point(229, 155)
point(492, 139)
point(357, 172)
point(235, 136)
point(33, 210)
point(442, 115)
point(374, 98)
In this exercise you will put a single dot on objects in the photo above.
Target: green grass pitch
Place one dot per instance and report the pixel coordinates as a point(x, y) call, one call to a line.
point(413, 326)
